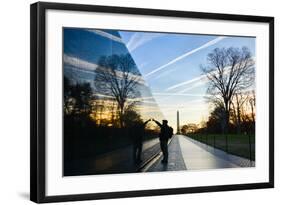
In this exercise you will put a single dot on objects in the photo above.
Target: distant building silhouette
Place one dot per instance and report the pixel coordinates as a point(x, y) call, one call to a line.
point(178, 122)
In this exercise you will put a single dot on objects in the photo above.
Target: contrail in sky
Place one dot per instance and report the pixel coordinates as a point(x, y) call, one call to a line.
point(210, 43)
point(106, 35)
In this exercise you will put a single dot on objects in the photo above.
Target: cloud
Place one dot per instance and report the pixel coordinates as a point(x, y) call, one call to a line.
point(103, 96)
point(141, 99)
point(178, 94)
point(197, 81)
point(139, 38)
point(194, 85)
point(163, 74)
point(79, 63)
point(106, 35)
point(86, 66)
point(188, 82)
point(206, 45)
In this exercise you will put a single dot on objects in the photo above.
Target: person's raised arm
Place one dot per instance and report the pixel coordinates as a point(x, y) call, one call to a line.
point(158, 123)
point(146, 122)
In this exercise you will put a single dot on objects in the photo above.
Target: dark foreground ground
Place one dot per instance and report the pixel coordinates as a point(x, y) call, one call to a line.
point(185, 153)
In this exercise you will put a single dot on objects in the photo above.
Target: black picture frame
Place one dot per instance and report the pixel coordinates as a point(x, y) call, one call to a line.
point(38, 100)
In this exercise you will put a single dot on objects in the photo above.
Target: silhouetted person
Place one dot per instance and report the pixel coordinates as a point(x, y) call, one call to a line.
point(166, 132)
point(138, 134)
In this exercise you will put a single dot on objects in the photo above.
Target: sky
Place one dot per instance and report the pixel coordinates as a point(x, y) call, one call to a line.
point(168, 63)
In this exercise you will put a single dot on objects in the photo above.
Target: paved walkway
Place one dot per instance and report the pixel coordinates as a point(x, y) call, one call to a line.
point(175, 160)
point(186, 153)
point(239, 161)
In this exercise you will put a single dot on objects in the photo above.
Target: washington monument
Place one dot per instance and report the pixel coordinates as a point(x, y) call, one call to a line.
point(178, 122)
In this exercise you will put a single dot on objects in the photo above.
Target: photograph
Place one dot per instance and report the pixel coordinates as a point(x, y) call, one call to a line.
point(143, 101)
point(134, 102)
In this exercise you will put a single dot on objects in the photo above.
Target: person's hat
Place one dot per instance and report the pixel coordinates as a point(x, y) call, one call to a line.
point(165, 121)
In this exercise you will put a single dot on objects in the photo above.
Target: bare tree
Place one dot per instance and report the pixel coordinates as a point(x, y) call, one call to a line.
point(117, 76)
point(238, 104)
point(229, 71)
point(252, 102)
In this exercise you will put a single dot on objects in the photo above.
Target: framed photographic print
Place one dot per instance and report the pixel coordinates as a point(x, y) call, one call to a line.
point(129, 102)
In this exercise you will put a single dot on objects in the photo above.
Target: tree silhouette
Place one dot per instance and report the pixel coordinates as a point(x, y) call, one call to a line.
point(252, 102)
point(78, 98)
point(116, 76)
point(238, 106)
point(228, 71)
point(216, 117)
point(189, 128)
point(67, 95)
point(131, 117)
